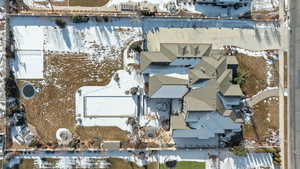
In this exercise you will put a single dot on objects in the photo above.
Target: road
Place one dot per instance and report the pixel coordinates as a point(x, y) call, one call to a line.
point(294, 86)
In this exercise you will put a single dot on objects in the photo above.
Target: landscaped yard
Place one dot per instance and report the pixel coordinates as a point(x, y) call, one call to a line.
point(117, 163)
point(255, 69)
point(265, 117)
point(186, 165)
point(26, 164)
point(54, 105)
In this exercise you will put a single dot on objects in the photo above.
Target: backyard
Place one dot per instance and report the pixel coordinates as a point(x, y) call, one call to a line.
point(88, 3)
point(54, 105)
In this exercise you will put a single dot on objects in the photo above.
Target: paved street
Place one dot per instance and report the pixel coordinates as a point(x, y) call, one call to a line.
point(294, 93)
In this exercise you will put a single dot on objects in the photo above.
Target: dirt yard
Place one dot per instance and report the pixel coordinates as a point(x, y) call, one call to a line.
point(255, 67)
point(54, 105)
point(265, 117)
point(88, 3)
point(83, 3)
point(117, 163)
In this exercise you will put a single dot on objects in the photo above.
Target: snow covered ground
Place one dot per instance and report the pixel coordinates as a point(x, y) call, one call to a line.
point(94, 38)
point(2, 65)
point(268, 5)
point(172, 5)
point(22, 64)
point(83, 160)
point(215, 11)
point(118, 110)
point(161, 5)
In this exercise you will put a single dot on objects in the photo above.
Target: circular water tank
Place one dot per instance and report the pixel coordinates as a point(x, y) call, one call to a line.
point(28, 91)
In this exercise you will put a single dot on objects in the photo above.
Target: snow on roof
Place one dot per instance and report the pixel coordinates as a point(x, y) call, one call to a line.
point(28, 64)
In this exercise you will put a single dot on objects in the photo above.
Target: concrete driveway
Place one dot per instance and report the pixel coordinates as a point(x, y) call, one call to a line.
point(252, 39)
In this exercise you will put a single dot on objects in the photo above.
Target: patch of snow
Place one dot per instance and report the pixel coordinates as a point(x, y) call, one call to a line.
point(99, 40)
point(268, 5)
point(155, 111)
point(161, 5)
point(32, 3)
point(215, 11)
point(28, 64)
point(265, 54)
point(114, 88)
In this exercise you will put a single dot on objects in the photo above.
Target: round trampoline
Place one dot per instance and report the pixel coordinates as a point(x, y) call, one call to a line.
point(28, 91)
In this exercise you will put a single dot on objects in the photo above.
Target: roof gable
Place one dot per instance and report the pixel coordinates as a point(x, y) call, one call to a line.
point(166, 85)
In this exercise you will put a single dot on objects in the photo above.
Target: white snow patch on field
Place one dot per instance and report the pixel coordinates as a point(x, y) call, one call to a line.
point(32, 3)
point(28, 64)
point(114, 89)
point(161, 4)
point(83, 160)
point(2, 73)
point(268, 5)
point(98, 40)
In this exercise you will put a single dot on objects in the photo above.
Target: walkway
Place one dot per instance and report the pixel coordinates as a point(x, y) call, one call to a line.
point(274, 92)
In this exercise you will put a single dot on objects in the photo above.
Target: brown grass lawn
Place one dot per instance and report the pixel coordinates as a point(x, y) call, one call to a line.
point(88, 3)
point(54, 106)
point(122, 164)
point(256, 78)
point(261, 111)
point(26, 164)
point(83, 3)
point(116, 163)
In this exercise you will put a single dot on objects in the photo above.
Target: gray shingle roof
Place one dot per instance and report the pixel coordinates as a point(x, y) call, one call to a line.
point(202, 99)
point(157, 81)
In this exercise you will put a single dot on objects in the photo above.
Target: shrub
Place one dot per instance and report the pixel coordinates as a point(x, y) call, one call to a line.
point(239, 150)
point(80, 19)
point(35, 144)
point(60, 23)
point(103, 19)
point(241, 78)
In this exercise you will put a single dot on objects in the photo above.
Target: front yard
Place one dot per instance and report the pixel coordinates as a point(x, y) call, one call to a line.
point(261, 73)
point(117, 163)
point(255, 69)
point(186, 165)
point(265, 121)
